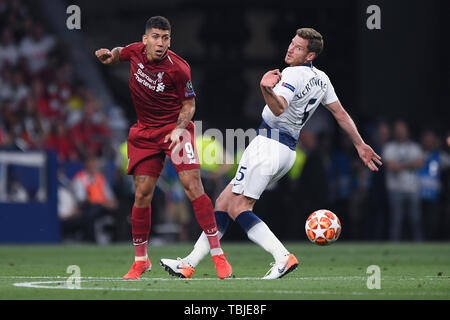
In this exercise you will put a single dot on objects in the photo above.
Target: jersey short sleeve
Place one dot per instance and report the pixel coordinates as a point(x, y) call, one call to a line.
point(125, 52)
point(287, 85)
point(330, 95)
point(183, 83)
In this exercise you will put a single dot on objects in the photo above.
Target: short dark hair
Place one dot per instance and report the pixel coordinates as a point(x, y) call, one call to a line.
point(157, 22)
point(315, 39)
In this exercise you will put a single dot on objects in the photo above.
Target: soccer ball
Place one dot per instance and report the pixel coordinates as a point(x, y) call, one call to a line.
point(323, 227)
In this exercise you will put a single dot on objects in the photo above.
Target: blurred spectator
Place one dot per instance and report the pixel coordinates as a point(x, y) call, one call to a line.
point(17, 192)
point(35, 47)
point(94, 196)
point(176, 205)
point(13, 125)
point(91, 132)
point(17, 90)
point(43, 106)
point(342, 183)
point(288, 195)
point(59, 140)
point(430, 183)
point(60, 90)
point(9, 53)
point(67, 205)
point(309, 192)
point(71, 218)
point(446, 191)
point(5, 139)
point(33, 132)
point(403, 158)
point(213, 164)
point(377, 209)
point(358, 199)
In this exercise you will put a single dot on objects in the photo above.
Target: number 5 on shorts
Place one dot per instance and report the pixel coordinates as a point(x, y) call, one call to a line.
point(241, 172)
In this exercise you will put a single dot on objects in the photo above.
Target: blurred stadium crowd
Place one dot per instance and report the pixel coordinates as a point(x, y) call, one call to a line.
point(43, 105)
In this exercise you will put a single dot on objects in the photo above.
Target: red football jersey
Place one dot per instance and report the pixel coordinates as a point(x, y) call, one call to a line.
point(157, 87)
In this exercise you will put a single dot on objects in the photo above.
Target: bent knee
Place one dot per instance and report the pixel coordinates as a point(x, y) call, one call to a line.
point(234, 212)
point(194, 189)
point(239, 204)
point(194, 186)
point(143, 197)
point(223, 201)
point(221, 204)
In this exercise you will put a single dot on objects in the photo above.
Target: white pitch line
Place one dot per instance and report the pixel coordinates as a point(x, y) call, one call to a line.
point(331, 278)
point(338, 278)
point(127, 280)
point(45, 285)
point(59, 283)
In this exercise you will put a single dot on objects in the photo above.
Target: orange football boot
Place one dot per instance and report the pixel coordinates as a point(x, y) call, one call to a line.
point(138, 268)
point(223, 268)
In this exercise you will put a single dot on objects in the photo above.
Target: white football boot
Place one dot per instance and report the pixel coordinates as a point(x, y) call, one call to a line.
point(177, 268)
point(281, 269)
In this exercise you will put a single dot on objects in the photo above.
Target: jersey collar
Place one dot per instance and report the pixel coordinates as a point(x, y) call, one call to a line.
point(307, 64)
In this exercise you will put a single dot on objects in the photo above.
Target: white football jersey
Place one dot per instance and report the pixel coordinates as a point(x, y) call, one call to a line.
point(304, 88)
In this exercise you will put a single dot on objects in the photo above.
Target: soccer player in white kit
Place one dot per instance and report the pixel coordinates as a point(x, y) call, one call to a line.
point(291, 98)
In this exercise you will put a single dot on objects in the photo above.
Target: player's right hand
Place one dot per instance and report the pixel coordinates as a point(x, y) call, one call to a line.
point(105, 56)
point(174, 138)
point(270, 78)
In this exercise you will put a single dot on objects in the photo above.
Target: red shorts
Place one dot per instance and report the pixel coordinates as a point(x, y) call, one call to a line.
point(147, 150)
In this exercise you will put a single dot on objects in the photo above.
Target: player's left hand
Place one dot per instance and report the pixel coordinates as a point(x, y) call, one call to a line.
point(174, 137)
point(369, 157)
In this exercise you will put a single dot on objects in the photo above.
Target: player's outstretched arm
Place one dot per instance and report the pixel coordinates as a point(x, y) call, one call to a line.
point(109, 57)
point(365, 152)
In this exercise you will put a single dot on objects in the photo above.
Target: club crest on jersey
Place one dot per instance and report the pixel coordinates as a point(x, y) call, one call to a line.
point(160, 87)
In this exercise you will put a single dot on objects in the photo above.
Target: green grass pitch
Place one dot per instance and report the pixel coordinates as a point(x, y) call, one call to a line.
point(340, 271)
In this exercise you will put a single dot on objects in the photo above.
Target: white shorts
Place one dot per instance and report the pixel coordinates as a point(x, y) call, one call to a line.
point(264, 162)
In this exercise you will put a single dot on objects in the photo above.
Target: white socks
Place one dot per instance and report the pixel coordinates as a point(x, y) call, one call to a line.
point(201, 249)
point(264, 237)
point(259, 234)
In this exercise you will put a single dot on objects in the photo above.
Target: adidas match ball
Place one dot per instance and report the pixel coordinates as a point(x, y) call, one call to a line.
point(323, 227)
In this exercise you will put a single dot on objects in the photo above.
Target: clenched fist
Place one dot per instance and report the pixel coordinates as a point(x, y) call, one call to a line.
point(105, 56)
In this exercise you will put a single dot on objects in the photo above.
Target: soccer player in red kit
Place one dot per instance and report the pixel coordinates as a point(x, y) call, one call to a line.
point(164, 100)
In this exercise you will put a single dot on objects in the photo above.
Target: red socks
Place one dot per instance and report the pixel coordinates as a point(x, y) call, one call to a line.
point(204, 212)
point(140, 228)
